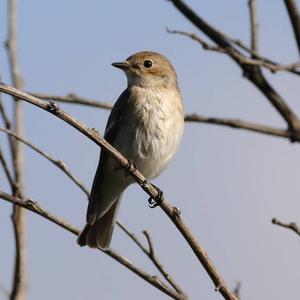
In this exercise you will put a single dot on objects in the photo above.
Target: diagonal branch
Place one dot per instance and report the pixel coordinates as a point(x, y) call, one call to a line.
point(255, 60)
point(292, 9)
point(36, 208)
point(251, 72)
point(60, 164)
point(152, 257)
point(7, 171)
point(172, 212)
point(293, 226)
point(73, 99)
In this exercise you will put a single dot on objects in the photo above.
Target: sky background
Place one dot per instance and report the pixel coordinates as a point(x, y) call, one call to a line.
point(228, 183)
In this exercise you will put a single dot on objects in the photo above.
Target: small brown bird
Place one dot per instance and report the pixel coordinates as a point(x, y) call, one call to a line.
point(146, 126)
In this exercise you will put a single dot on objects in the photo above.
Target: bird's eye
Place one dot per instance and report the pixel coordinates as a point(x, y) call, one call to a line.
point(147, 64)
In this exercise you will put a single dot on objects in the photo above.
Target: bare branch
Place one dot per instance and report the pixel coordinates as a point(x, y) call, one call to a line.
point(172, 212)
point(292, 9)
point(256, 59)
point(74, 99)
point(239, 124)
point(254, 25)
point(293, 226)
point(251, 72)
point(36, 208)
point(60, 164)
point(7, 171)
point(152, 257)
point(19, 288)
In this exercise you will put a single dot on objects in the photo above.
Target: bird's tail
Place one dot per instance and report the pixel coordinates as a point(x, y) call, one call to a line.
point(99, 233)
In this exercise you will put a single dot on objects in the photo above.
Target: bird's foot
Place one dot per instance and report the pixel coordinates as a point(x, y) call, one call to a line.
point(130, 167)
point(153, 202)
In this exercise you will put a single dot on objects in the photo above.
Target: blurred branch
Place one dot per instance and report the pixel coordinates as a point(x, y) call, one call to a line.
point(172, 212)
point(60, 164)
point(249, 67)
point(7, 171)
point(36, 208)
point(19, 284)
point(253, 25)
point(152, 257)
point(73, 99)
point(293, 226)
point(292, 9)
point(233, 123)
point(257, 60)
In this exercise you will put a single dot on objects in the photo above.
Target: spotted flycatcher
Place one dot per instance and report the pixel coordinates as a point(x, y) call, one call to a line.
point(146, 126)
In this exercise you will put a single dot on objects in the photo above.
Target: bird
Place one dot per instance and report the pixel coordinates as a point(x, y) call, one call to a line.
point(146, 126)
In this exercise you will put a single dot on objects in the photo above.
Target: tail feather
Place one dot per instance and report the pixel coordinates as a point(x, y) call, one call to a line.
point(100, 233)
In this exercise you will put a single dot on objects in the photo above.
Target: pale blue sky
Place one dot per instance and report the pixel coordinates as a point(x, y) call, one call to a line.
point(228, 183)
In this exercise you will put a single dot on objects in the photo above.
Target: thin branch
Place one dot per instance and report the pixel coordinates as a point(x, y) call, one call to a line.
point(256, 59)
point(172, 212)
point(251, 72)
point(292, 9)
point(253, 25)
point(149, 253)
point(293, 226)
point(33, 206)
point(239, 124)
point(237, 290)
point(233, 123)
point(73, 99)
point(19, 288)
point(7, 171)
point(60, 164)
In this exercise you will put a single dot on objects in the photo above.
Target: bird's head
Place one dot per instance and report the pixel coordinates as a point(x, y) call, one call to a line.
point(148, 69)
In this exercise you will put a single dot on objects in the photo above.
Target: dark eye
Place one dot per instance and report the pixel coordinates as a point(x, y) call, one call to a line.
point(147, 64)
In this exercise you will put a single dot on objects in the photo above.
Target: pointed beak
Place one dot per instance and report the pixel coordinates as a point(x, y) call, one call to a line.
point(121, 65)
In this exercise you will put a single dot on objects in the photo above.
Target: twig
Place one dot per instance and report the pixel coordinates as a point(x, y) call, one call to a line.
point(36, 208)
point(256, 59)
point(152, 257)
point(253, 25)
point(172, 212)
point(292, 9)
point(237, 290)
point(293, 226)
point(239, 124)
point(73, 99)
point(19, 288)
point(60, 164)
point(7, 171)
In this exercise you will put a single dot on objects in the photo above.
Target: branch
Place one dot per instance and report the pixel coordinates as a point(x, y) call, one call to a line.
point(233, 123)
point(152, 257)
point(256, 60)
point(74, 99)
point(253, 25)
point(7, 171)
point(239, 124)
point(251, 72)
point(19, 288)
point(60, 164)
point(33, 206)
point(292, 9)
point(293, 226)
point(172, 212)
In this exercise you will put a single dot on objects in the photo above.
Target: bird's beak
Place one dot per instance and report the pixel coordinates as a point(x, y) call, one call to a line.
point(121, 65)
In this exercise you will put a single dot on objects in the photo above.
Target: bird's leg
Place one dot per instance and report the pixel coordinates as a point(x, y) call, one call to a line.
point(153, 202)
point(130, 167)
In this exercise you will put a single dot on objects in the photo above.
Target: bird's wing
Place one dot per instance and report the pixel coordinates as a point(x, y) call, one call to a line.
point(117, 119)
